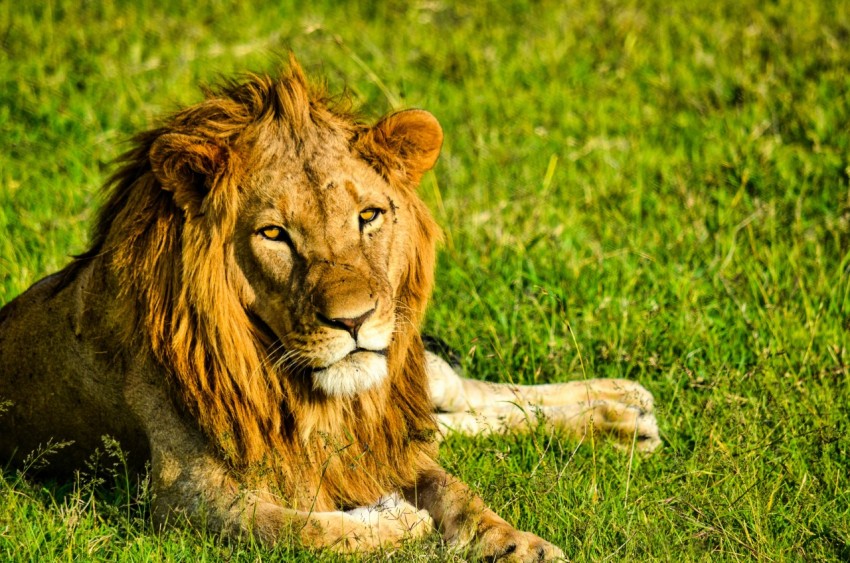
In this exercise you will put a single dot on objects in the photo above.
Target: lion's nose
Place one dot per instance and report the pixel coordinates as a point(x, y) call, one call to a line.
point(351, 324)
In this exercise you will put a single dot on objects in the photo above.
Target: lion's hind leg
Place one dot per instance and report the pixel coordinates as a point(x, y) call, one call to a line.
point(617, 408)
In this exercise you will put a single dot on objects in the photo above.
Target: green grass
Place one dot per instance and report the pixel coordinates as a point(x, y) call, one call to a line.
point(649, 189)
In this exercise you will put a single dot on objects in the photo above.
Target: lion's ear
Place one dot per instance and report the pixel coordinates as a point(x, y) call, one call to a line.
point(408, 142)
point(189, 166)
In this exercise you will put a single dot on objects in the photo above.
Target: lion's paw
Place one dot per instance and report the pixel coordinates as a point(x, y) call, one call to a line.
point(392, 520)
point(508, 545)
point(615, 408)
point(624, 391)
point(626, 424)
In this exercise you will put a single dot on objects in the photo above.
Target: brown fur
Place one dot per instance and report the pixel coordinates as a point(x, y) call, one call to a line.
point(165, 324)
point(215, 355)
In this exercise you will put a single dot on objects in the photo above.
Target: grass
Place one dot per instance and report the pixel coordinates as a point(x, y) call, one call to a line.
point(653, 190)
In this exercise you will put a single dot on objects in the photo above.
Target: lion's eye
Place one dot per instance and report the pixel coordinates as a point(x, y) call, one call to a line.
point(277, 234)
point(369, 215)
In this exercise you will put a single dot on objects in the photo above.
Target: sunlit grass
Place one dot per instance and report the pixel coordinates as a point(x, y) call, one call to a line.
point(657, 188)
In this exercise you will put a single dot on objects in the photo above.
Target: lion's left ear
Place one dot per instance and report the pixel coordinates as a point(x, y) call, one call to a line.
point(189, 166)
point(406, 143)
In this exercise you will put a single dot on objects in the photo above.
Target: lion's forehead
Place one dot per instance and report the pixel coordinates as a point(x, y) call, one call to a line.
point(312, 161)
point(309, 193)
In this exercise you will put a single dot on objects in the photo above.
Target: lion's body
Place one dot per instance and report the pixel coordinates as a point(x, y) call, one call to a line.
point(247, 321)
point(78, 392)
point(145, 294)
point(60, 386)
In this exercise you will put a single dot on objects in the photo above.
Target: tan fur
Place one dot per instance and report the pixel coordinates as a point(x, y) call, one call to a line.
point(236, 323)
point(616, 408)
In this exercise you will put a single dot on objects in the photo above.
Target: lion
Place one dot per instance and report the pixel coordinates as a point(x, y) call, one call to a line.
point(246, 321)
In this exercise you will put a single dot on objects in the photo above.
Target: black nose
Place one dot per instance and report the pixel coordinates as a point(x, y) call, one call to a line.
point(350, 325)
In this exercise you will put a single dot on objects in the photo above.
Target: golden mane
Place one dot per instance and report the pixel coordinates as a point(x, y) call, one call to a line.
point(180, 302)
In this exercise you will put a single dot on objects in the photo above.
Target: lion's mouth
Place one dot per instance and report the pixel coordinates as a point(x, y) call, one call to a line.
point(354, 354)
point(366, 350)
point(358, 371)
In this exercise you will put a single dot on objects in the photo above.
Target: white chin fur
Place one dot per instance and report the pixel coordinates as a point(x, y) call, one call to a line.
point(351, 375)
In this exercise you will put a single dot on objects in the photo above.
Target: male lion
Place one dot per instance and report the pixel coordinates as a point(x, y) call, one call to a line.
point(247, 320)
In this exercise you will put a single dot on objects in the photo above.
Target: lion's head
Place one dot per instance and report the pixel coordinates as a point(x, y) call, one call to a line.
point(323, 227)
point(272, 253)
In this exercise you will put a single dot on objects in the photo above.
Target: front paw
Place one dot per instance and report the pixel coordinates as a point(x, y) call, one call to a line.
point(392, 520)
point(506, 544)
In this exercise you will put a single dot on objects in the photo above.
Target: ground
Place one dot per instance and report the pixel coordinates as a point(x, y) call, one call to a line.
point(647, 190)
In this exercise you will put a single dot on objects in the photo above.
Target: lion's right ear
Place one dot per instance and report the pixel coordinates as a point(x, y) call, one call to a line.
point(189, 166)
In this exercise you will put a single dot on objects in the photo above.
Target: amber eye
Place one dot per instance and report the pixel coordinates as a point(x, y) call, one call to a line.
point(277, 234)
point(369, 215)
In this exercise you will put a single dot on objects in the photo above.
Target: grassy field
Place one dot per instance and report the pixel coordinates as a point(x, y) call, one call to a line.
point(649, 190)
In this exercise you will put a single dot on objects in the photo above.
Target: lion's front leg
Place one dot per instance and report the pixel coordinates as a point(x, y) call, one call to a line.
point(625, 425)
point(617, 408)
point(392, 520)
point(386, 524)
point(451, 392)
point(192, 484)
point(200, 491)
point(234, 514)
point(465, 521)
